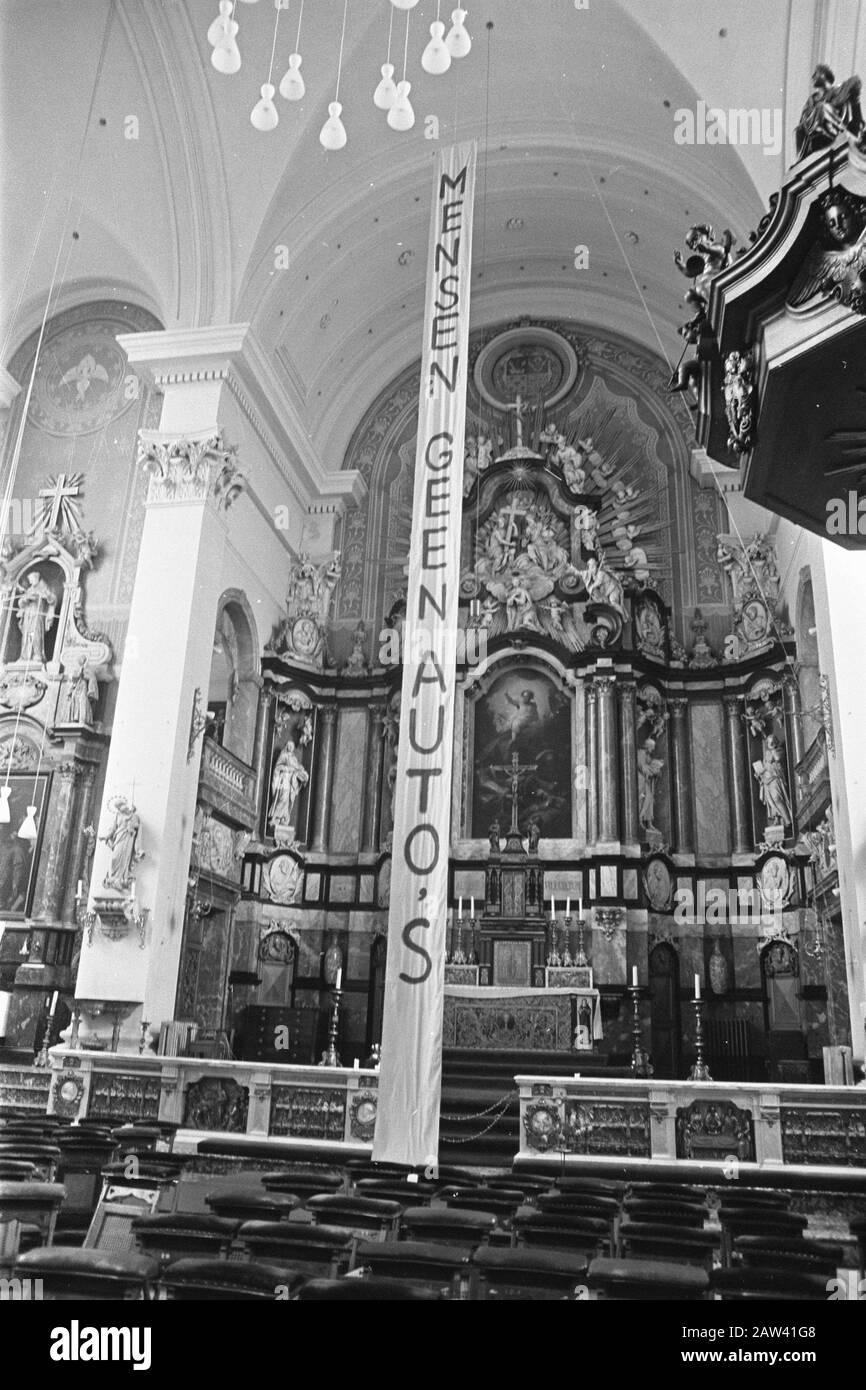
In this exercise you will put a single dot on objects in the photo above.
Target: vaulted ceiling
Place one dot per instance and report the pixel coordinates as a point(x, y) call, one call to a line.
point(574, 110)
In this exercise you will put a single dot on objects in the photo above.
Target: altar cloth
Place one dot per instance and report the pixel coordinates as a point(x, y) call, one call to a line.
point(508, 1017)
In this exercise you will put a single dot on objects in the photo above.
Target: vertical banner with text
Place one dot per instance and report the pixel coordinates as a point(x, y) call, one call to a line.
point(410, 1078)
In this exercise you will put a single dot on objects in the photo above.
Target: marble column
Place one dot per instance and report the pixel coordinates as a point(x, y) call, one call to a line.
point(626, 692)
point(679, 745)
point(794, 743)
point(608, 760)
point(591, 715)
point(59, 848)
point(735, 745)
point(153, 758)
point(325, 756)
point(373, 781)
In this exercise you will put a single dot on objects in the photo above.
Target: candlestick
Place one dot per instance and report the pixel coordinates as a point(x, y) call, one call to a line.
point(331, 1057)
point(700, 1071)
point(640, 1064)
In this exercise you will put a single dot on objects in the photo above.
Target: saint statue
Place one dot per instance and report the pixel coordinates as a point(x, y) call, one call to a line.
point(771, 775)
point(80, 694)
point(648, 769)
point(495, 834)
point(36, 608)
point(122, 840)
point(288, 778)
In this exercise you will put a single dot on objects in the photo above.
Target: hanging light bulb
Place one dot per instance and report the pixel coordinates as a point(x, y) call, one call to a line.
point(226, 56)
point(28, 825)
point(401, 116)
point(264, 114)
point(220, 24)
point(333, 133)
point(5, 814)
point(436, 57)
point(457, 39)
point(404, 4)
point(386, 93)
point(292, 86)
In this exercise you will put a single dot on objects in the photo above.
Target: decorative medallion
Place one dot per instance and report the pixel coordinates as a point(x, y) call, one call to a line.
point(19, 690)
point(362, 1118)
point(536, 364)
point(283, 879)
point(543, 1125)
point(659, 885)
point(775, 883)
point(78, 385)
point(68, 1091)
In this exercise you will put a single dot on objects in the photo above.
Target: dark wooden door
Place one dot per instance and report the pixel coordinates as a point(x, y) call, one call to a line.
point(664, 982)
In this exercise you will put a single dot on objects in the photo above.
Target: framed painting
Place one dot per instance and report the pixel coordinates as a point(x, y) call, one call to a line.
point(19, 858)
point(523, 712)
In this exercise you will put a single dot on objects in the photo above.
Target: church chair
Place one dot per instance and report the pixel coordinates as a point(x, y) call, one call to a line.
point(128, 1193)
point(530, 1187)
point(316, 1250)
point(501, 1201)
point(220, 1280)
point(17, 1170)
point(447, 1173)
point(589, 1235)
point(787, 1252)
point(136, 1138)
point(762, 1284)
point(674, 1214)
point(69, 1273)
point(177, 1235)
point(246, 1204)
point(408, 1194)
point(754, 1197)
point(362, 1215)
point(591, 1187)
point(435, 1265)
point(662, 1241)
point(529, 1273)
point(42, 1154)
point(305, 1180)
point(460, 1227)
point(30, 1204)
point(82, 1158)
point(615, 1279)
point(579, 1207)
point(661, 1191)
point(753, 1221)
point(356, 1168)
point(363, 1290)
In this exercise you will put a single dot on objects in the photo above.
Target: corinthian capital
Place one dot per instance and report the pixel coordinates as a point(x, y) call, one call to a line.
point(190, 468)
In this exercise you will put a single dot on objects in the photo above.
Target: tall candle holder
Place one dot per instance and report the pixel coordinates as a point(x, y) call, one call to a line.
point(458, 957)
point(580, 957)
point(700, 1071)
point(566, 957)
point(472, 957)
point(639, 1059)
point(330, 1057)
point(553, 957)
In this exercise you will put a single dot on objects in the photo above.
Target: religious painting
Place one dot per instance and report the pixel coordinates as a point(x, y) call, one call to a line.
point(525, 716)
point(19, 858)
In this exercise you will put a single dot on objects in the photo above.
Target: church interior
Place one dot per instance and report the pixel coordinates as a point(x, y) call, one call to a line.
point(623, 1058)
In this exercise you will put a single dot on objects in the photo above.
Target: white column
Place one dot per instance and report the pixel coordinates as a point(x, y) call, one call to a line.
point(168, 653)
point(839, 579)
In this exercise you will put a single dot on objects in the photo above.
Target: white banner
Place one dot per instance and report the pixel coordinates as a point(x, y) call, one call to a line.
point(410, 1078)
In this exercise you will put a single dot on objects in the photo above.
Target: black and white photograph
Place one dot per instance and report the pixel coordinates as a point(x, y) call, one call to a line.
point(432, 677)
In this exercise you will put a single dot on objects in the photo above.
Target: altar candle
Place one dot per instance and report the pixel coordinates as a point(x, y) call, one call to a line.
point(697, 986)
point(54, 998)
point(553, 909)
point(339, 979)
point(634, 977)
point(459, 909)
point(568, 907)
point(579, 908)
point(79, 892)
point(472, 907)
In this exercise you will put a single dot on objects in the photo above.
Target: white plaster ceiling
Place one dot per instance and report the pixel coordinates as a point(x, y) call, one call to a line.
point(576, 147)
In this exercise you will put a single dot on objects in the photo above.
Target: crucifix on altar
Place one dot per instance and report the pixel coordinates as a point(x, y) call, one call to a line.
point(515, 770)
point(520, 407)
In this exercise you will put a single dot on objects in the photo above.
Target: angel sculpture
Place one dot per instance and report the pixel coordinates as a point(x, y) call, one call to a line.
point(836, 265)
point(85, 371)
point(828, 111)
point(710, 255)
